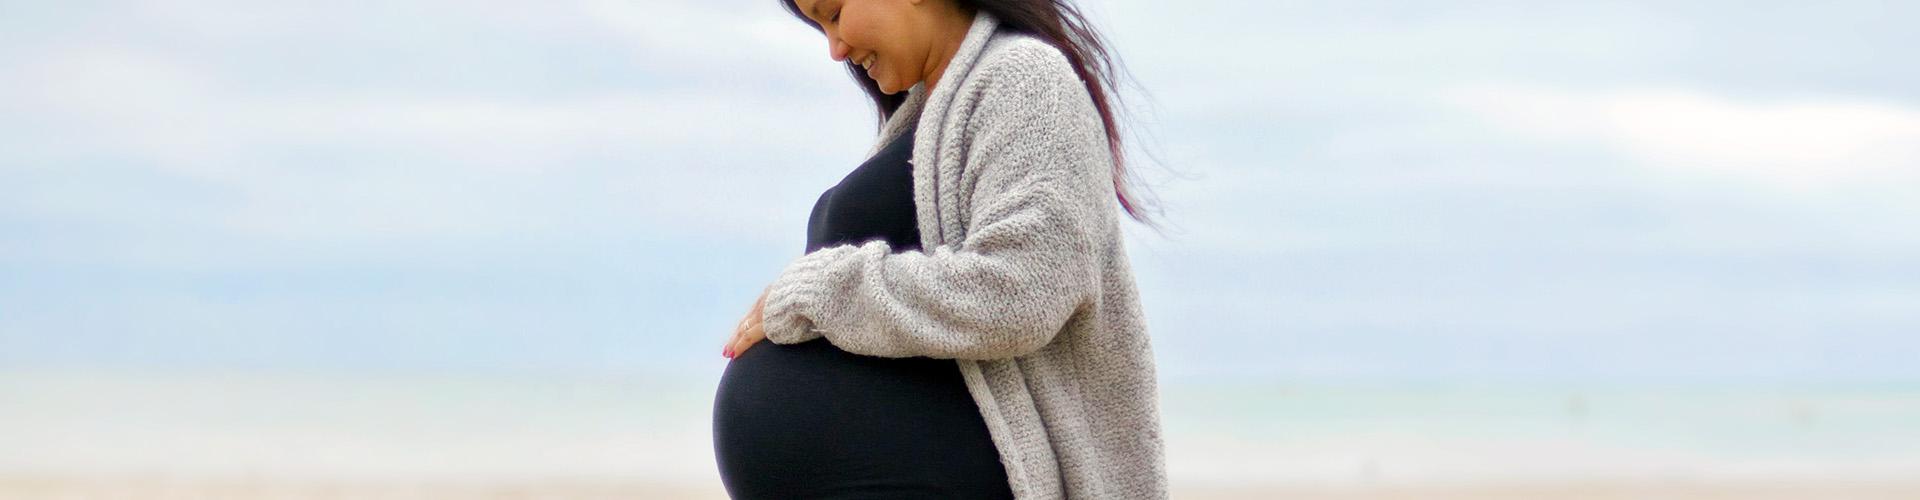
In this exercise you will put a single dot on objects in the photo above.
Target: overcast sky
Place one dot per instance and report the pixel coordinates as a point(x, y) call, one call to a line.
point(1582, 191)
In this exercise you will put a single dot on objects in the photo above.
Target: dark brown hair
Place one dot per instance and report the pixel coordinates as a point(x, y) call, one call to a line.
point(1060, 24)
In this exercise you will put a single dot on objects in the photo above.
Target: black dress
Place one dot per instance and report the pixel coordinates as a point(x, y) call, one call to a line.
point(809, 420)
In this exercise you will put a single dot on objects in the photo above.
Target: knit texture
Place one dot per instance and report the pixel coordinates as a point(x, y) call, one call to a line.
point(1023, 279)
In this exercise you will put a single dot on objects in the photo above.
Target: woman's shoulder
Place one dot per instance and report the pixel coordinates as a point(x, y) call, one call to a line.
point(1008, 46)
point(1024, 59)
point(1019, 74)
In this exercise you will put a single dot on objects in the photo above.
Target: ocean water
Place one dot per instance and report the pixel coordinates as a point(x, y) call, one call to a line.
point(1439, 434)
point(657, 428)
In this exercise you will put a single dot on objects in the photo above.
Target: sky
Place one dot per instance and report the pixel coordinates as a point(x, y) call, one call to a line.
point(1585, 192)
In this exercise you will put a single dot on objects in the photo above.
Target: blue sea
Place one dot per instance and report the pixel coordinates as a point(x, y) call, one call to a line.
point(656, 428)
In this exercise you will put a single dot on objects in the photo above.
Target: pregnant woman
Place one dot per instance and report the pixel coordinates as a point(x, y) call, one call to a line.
point(964, 322)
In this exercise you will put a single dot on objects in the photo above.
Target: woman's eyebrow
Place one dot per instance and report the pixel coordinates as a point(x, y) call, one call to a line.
point(814, 9)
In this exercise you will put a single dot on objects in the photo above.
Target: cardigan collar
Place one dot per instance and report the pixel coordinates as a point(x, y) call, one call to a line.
point(928, 111)
point(916, 108)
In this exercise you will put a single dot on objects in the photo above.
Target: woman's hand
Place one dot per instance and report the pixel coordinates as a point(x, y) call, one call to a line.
point(748, 332)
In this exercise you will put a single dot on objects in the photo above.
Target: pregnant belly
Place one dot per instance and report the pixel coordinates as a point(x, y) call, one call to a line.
point(814, 417)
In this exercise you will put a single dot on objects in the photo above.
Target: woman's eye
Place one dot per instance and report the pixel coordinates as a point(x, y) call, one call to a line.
point(836, 18)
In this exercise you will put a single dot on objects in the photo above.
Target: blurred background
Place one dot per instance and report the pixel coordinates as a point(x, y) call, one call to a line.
point(1476, 249)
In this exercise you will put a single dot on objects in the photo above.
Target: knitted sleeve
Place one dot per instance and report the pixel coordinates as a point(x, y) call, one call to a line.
point(1027, 264)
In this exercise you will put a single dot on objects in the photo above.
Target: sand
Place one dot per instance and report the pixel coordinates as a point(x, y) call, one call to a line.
point(25, 488)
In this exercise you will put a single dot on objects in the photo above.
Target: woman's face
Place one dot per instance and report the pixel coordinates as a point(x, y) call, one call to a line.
point(889, 38)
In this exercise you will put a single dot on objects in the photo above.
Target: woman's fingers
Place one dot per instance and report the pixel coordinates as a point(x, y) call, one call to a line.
point(745, 334)
point(748, 331)
point(745, 341)
point(731, 347)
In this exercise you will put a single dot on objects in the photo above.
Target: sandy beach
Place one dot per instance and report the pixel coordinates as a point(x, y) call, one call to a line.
point(33, 488)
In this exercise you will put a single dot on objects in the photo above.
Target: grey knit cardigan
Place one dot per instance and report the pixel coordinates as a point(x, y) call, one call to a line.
point(1022, 278)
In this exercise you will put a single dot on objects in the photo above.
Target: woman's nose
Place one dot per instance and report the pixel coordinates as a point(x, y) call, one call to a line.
point(836, 50)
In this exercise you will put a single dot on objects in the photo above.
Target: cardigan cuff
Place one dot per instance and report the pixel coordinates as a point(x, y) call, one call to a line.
point(795, 296)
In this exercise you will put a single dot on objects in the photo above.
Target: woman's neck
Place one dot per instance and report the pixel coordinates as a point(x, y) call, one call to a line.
point(946, 44)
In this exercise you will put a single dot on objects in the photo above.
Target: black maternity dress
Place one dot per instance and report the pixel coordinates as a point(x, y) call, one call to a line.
point(809, 420)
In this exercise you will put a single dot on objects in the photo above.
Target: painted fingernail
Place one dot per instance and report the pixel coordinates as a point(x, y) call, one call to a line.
point(728, 353)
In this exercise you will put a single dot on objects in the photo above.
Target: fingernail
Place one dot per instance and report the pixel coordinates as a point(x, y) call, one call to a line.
point(728, 353)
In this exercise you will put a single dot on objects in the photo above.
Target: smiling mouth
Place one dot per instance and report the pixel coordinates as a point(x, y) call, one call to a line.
point(868, 63)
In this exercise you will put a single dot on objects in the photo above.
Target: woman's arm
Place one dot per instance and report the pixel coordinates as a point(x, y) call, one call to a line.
point(1026, 266)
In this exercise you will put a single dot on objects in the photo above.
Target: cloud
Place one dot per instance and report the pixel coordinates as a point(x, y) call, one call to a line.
point(1802, 145)
point(446, 171)
point(706, 152)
